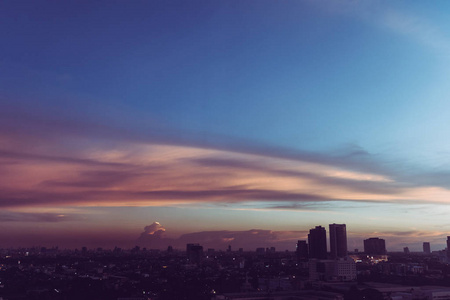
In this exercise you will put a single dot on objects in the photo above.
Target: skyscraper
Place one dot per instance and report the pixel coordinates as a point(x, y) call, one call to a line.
point(448, 247)
point(302, 250)
point(338, 240)
point(426, 247)
point(375, 246)
point(317, 240)
point(194, 253)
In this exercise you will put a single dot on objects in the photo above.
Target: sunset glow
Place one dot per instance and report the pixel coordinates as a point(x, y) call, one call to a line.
point(235, 119)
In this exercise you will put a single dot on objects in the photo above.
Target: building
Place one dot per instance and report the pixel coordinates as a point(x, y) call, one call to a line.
point(302, 250)
point(281, 295)
point(406, 250)
point(448, 247)
point(338, 240)
point(431, 293)
point(342, 269)
point(401, 292)
point(375, 246)
point(260, 250)
point(194, 253)
point(317, 240)
point(426, 247)
point(317, 243)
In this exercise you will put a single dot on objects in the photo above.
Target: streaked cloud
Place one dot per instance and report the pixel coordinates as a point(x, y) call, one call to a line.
point(417, 29)
point(12, 216)
point(119, 170)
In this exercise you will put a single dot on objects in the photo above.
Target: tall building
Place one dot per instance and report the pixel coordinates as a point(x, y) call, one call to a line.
point(302, 250)
point(448, 247)
point(194, 253)
point(338, 240)
point(426, 247)
point(375, 246)
point(317, 240)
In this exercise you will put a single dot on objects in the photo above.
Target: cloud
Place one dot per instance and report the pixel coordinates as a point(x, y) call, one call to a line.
point(17, 156)
point(417, 29)
point(220, 239)
point(165, 197)
point(152, 174)
point(151, 232)
point(7, 216)
point(95, 179)
point(59, 160)
point(370, 183)
point(303, 206)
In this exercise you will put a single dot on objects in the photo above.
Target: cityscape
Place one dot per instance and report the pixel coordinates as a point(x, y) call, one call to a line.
point(224, 150)
point(308, 272)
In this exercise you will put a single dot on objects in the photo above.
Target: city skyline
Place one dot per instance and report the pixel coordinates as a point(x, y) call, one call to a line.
point(318, 243)
point(227, 121)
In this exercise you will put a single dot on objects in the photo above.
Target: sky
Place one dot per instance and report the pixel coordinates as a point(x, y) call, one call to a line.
point(242, 123)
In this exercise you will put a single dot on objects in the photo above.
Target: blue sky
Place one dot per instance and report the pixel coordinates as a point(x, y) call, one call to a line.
point(321, 109)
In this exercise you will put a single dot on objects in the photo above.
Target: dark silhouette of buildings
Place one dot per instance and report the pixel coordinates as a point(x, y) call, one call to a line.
point(260, 250)
point(317, 240)
point(448, 247)
point(426, 247)
point(338, 240)
point(375, 246)
point(194, 253)
point(302, 250)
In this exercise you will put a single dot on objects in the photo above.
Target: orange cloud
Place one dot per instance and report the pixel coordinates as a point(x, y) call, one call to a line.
point(152, 174)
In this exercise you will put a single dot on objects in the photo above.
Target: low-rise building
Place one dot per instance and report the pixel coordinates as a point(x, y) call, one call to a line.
point(343, 269)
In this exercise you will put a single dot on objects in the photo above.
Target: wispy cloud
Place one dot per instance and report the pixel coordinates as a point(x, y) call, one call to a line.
point(417, 29)
point(66, 163)
point(10, 216)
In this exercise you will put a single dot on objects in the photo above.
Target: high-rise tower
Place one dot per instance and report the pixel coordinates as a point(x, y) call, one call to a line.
point(448, 247)
point(426, 247)
point(194, 253)
point(338, 240)
point(302, 250)
point(317, 240)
